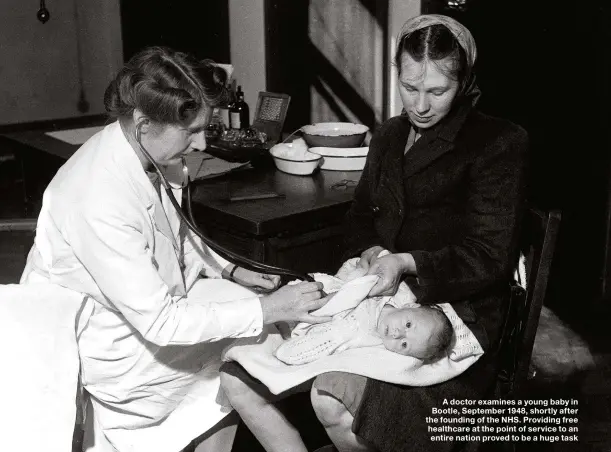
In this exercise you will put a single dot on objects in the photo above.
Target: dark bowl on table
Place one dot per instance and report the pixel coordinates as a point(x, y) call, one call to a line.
point(236, 152)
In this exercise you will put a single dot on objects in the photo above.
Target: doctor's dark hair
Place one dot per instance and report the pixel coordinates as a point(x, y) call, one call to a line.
point(436, 43)
point(166, 85)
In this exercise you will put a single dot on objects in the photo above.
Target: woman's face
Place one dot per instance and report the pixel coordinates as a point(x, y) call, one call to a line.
point(426, 92)
point(168, 143)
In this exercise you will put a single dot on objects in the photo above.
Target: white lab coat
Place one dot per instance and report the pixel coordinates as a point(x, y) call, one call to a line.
point(146, 332)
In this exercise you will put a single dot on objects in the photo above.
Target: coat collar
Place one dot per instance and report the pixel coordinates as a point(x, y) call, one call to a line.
point(126, 161)
point(434, 142)
point(392, 173)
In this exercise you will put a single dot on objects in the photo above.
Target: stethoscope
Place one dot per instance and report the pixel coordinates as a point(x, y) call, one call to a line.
point(242, 261)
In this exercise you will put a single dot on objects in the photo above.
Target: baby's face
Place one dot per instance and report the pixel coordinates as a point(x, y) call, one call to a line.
point(408, 331)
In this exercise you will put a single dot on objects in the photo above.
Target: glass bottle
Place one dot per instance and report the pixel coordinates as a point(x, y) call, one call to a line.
point(226, 107)
point(239, 113)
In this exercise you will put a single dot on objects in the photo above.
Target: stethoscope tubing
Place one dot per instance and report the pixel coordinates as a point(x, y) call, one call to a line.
point(237, 259)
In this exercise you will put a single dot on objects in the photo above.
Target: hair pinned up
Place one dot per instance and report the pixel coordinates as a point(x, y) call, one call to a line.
point(434, 37)
point(166, 85)
point(435, 43)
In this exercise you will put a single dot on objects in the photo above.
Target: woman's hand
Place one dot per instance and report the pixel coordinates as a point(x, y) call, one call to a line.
point(294, 303)
point(248, 278)
point(390, 269)
point(368, 257)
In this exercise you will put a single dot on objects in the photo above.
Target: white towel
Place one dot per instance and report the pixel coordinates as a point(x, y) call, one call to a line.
point(257, 355)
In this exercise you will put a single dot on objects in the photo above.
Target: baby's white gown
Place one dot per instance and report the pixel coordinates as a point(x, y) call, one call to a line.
point(352, 328)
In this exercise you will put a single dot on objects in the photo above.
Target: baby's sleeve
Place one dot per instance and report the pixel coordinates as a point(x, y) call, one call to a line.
point(345, 331)
point(321, 341)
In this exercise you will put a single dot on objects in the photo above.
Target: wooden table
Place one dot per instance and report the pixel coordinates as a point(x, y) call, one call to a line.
point(302, 230)
point(41, 155)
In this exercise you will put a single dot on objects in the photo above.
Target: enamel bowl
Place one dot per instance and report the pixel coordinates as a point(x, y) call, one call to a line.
point(334, 134)
point(342, 159)
point(302, 165)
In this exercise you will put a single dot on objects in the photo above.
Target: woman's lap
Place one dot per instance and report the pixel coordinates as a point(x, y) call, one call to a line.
point(236, 370)
point(392, 417)
point(345, 387)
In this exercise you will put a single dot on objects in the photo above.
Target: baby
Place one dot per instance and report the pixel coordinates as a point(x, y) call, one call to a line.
point(395, 334)
point(397, 323)
point(422, 332)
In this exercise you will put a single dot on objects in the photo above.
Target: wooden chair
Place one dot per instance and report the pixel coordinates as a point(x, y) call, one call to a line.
point(539, 236)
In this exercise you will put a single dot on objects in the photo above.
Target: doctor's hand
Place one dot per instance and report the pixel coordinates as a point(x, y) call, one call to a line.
point(294, 303)
point(368, 257)
point(390, 269)
point(248, 278)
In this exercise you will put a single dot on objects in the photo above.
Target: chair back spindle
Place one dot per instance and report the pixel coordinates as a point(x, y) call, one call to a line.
point(538, 242)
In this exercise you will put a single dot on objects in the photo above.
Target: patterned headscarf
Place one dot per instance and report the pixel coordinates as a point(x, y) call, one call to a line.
point(462, 35)
point(460, 32)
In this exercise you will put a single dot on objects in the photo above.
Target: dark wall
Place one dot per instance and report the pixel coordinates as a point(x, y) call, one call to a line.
point(543, 65)
point(194, 26)
point(289, 57)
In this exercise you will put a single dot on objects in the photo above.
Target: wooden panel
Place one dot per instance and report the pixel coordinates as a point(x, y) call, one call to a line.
point(330, 57)
point(351, 37)
point(309, 251)
point(240, 244)
point(313, 251)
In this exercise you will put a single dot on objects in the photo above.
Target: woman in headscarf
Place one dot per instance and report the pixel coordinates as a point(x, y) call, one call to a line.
point(443, 191)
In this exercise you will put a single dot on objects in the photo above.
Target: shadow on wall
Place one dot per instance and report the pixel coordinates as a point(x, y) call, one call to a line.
point(330, 58)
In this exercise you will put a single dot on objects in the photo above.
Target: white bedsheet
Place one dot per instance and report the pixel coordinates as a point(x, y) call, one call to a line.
point(40, 366)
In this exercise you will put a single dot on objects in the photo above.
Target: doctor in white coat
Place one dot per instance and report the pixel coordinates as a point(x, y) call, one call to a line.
point(159, 305)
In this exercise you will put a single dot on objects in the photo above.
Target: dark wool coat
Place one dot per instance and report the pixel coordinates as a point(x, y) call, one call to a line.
point(455, 202)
